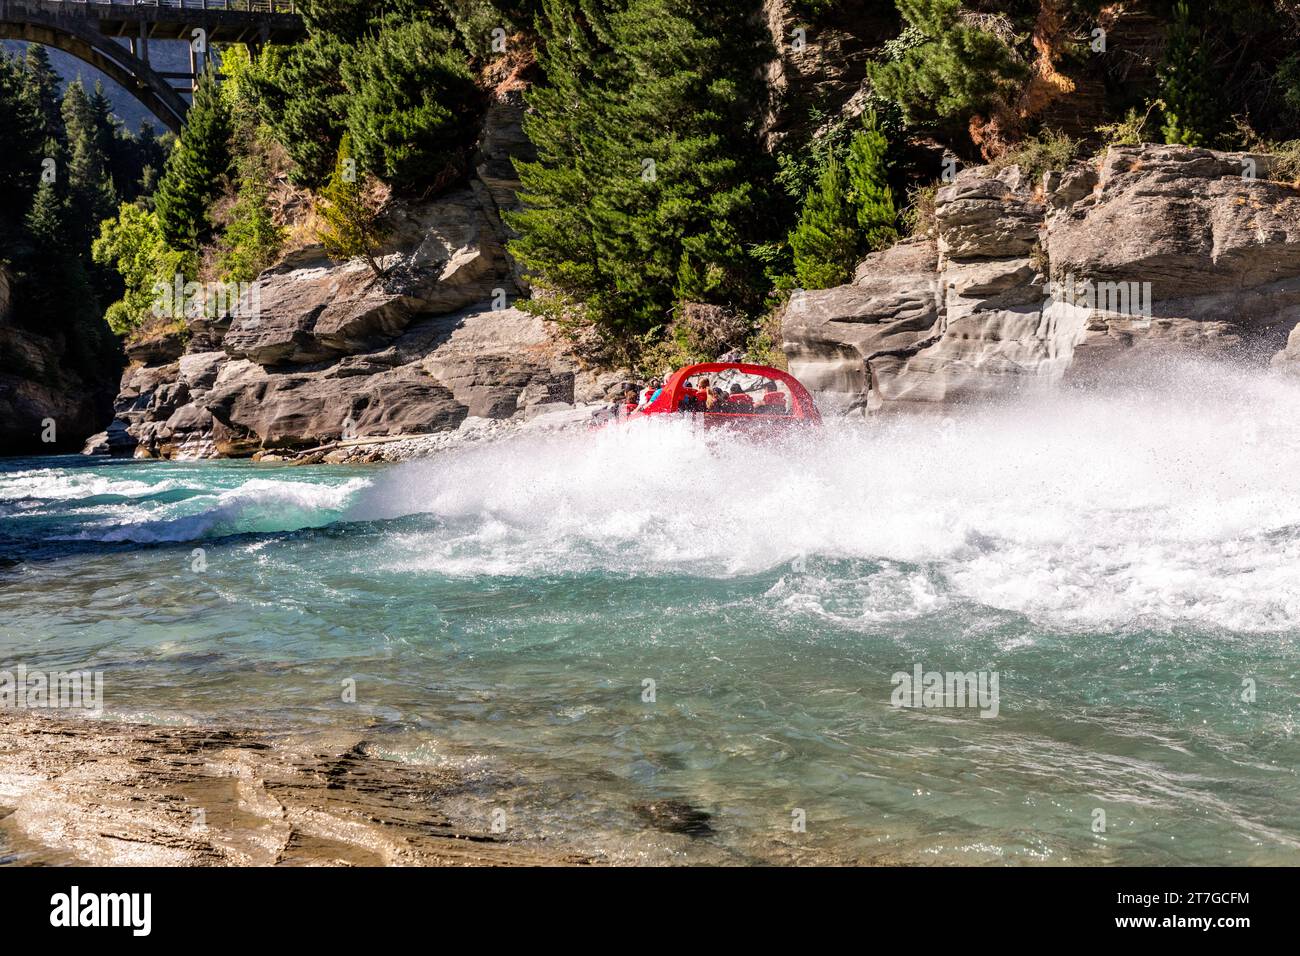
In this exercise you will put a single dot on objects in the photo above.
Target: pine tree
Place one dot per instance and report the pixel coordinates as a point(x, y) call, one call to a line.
point(19, 157)
point(91, 197)
point(649, 184)
point(193, 175)
point(411, 105)
point(101, 111)
point(557, 230)
point(117, 146)
point(687, 90)
point(351, 222)
point(42, 85)
point(1188, 85)
point(825, 242)
point(943, 67)
point(869, 191)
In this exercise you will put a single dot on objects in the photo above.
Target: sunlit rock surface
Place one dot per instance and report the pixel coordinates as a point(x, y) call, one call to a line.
point(1095, 272)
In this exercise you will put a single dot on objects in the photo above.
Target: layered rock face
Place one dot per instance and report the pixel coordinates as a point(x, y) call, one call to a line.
point(318, 351)
point(45, 405)
point(1092, 273)
point(820, 70)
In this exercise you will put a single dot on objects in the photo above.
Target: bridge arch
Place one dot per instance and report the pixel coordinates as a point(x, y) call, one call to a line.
point(87, 29)
point(106, 55)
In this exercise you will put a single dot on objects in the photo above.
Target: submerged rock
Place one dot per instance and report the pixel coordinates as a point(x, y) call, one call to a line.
point(675, 816)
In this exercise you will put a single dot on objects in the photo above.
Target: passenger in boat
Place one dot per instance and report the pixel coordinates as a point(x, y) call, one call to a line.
point(630, 395)
point(715, 401)
point(738, 401)
point(651, 391)
point(773, 399)
point(695, 399)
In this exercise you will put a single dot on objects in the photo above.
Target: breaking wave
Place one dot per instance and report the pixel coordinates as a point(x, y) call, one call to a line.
point(256, 506)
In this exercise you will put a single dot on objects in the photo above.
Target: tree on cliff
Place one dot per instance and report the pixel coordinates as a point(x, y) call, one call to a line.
point(351, 220)
point(1188, 85)
point(825, 241)
point(411, 96)
point(194, 172)
point(944, 66)
point(850, 211)
point(869, 191)
point(649, 185)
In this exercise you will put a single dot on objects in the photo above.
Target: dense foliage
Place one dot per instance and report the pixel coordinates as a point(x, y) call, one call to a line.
point(196, 169)
point(650, 187)
point(65, 164)
point(848, 213)
point(943, 66)
point(676, 193)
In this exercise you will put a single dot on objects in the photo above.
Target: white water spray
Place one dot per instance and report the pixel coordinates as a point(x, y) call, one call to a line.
point(1155, 506)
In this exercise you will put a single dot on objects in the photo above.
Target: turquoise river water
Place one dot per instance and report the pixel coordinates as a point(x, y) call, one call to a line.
point(1127, 566)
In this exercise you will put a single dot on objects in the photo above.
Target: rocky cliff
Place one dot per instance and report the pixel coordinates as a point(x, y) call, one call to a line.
point(45, 404)
point(320, 351)
point(1080, 276)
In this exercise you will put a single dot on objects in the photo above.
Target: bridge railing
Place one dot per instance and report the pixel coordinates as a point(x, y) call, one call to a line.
point(233, 6)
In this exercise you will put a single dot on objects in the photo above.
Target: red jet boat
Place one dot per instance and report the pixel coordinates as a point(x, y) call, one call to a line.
point(753, 397)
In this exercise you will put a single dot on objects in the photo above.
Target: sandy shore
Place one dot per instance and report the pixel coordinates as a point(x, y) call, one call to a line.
point(106, 793)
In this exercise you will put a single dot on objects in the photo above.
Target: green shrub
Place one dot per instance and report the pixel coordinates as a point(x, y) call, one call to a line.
point(1050, 149)
point(1188, 84)
point(134, 243)
point(919, 218)
point(943, 67)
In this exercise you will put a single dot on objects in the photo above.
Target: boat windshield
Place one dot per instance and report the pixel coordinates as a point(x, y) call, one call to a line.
point(735, 392)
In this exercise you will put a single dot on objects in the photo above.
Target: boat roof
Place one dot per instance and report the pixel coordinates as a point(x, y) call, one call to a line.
point(803, 405)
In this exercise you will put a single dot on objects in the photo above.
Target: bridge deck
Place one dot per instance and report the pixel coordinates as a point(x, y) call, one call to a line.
point(226, 21)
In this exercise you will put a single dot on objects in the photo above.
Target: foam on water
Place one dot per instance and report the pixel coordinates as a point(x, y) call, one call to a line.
point(257, 505)
point(1158, 505)
point(42, 484)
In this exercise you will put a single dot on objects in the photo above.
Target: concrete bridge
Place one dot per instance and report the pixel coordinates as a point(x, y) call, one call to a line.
point(113, 36)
